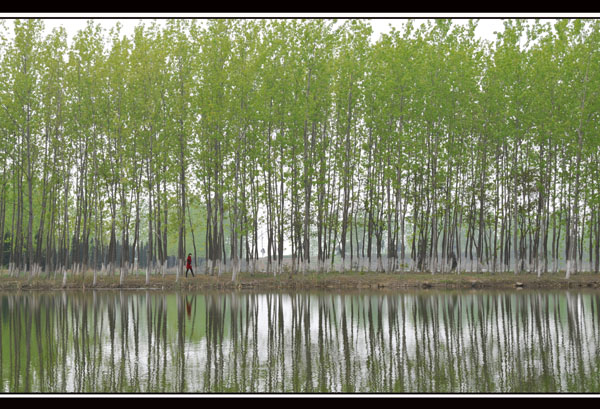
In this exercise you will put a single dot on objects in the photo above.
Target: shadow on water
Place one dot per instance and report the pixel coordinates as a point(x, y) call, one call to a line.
point(226, 342)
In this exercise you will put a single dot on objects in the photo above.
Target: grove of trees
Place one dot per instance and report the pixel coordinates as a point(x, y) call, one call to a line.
point(306, 144)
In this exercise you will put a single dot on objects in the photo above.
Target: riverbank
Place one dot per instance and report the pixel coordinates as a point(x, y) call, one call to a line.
point(348, 280)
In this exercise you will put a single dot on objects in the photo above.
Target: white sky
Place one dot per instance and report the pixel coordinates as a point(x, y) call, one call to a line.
point(489, 22)
point(485, 28)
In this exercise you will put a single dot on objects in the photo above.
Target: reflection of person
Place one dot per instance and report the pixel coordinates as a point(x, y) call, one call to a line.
point(189, 265)
point(188, 307)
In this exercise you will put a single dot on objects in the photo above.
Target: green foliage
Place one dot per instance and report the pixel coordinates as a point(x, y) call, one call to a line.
point(296, 124)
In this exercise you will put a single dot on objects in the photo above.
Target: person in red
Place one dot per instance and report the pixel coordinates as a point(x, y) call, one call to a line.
point(189, 265)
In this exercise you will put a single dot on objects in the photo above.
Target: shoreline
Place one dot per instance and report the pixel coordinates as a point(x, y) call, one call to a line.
point(332, 280)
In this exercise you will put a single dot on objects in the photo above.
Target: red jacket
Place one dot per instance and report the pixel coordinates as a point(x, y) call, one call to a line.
point(189, 262)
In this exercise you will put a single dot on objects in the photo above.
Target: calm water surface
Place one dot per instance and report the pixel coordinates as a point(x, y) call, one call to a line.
point(420, 341)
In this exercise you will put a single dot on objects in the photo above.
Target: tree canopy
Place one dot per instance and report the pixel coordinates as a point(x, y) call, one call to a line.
point(301, 145)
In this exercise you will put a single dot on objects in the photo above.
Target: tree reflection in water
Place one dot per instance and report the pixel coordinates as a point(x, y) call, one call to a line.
point(130, 342)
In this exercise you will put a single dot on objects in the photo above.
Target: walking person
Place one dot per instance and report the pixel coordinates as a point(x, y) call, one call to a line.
point(189, 265)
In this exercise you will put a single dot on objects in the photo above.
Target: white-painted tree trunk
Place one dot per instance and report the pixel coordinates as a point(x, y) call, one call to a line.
point(235, 269)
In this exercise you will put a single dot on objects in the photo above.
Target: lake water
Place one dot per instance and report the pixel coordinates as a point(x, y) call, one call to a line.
point(229, 342)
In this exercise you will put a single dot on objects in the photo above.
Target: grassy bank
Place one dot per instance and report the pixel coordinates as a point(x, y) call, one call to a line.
point(348, 280)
